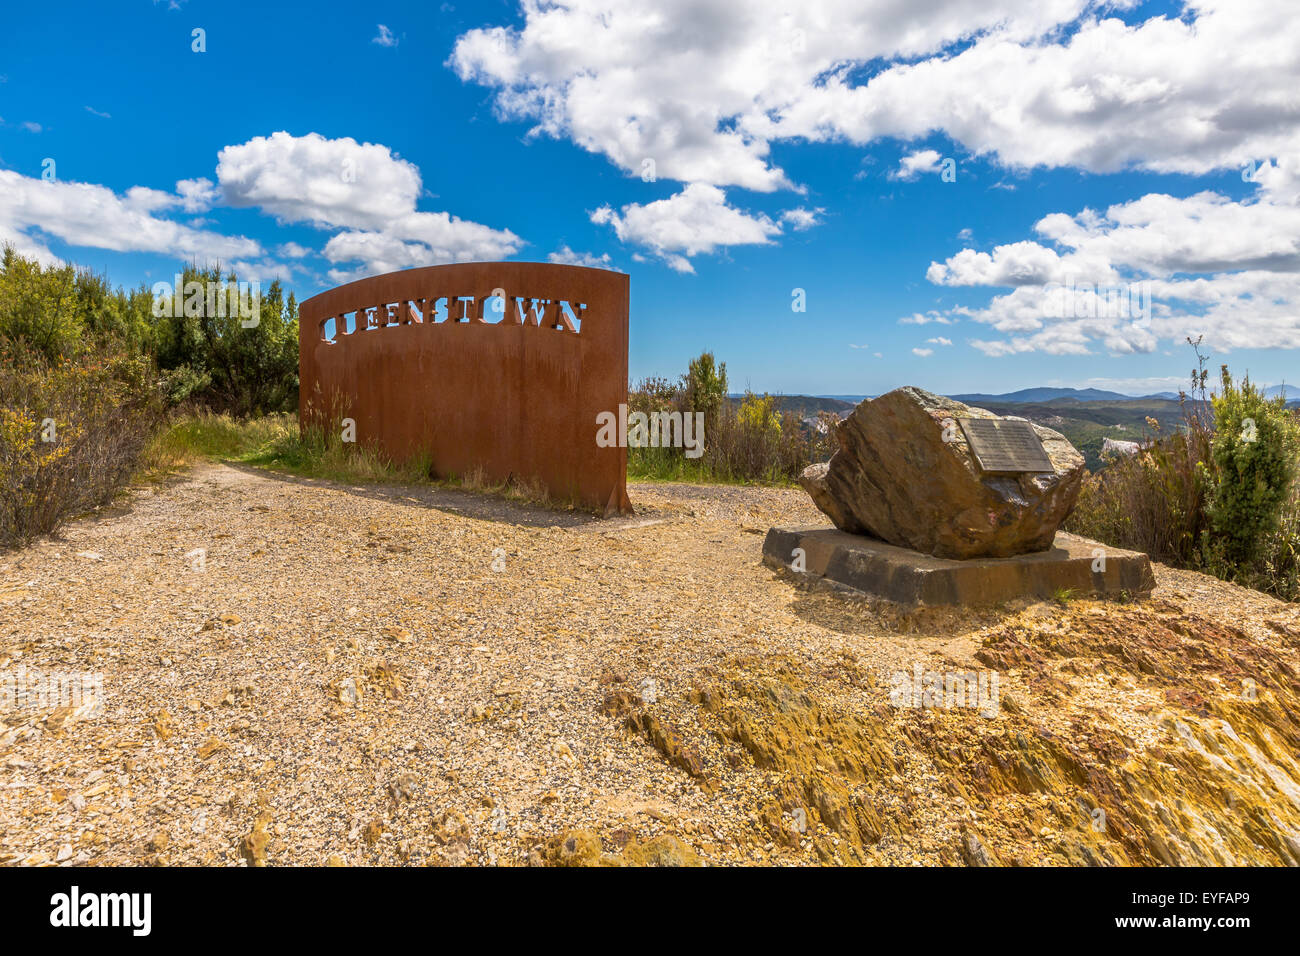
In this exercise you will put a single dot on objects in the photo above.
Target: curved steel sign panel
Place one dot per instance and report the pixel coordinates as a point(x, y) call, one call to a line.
point(499, 366)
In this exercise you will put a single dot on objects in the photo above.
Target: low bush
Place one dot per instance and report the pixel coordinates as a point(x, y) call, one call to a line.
point(1218, 493)
point(71, 434)
point(1153, 501)
point(746, 441)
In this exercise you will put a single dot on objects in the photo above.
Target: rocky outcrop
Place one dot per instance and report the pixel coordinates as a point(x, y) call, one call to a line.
point(1110, 448)
point(905, 473)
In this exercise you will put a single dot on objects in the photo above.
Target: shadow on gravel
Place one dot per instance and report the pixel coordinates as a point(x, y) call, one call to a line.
point(469, 504)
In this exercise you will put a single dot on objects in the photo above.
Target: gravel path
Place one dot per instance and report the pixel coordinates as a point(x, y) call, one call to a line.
point(398, 675)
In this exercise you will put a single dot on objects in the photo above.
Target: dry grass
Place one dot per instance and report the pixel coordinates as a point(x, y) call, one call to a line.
point(196, 436)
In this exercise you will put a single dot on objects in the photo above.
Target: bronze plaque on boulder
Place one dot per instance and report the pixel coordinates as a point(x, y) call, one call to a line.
point(1003, 445)
point(899, 478)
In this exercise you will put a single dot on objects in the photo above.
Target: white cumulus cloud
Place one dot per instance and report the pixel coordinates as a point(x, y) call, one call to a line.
point(704, 87)
point(914, 164)
point(359, 187)
point(696, 220)
point(1155, 269)
point(566, 256)
point(92, 216)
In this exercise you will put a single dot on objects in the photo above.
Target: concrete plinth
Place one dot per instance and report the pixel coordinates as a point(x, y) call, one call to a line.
point(1077, 565)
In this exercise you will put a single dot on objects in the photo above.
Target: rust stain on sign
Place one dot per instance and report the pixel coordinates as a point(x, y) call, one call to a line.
point(499, 366)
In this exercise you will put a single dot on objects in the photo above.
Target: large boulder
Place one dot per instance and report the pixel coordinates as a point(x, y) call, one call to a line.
point(905, 473)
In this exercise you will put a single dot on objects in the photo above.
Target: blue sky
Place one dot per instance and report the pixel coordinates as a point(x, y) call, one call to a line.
point(795, 146)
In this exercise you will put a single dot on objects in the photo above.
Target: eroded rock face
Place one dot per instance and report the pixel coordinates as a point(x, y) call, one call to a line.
point(905, 474)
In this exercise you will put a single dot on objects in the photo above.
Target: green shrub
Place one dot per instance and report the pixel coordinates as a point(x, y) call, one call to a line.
point(210, 355)
point(659, 463)
point(704, 386)
point(746, 441)
point(1253, 458)
point(1279, 563)
point(222, 360)
point(58, 312)
point(1218, 494)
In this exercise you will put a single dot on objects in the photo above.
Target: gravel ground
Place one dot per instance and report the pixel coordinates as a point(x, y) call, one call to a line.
point(411, 675)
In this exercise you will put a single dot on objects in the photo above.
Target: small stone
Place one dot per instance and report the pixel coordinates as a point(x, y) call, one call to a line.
point(399, 634)
point(403, 788)
point(253, 846)
point(210, 747)
point(452, 827)
point(347, 691)
point(973, 850)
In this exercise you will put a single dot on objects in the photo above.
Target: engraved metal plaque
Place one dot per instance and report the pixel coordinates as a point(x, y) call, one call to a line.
point(1001, 445)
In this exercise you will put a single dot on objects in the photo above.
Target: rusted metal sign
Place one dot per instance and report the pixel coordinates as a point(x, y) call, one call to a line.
point(501, 367)
point(1007, 446)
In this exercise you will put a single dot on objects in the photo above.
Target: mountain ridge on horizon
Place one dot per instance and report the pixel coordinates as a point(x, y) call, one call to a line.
point(1041, 394)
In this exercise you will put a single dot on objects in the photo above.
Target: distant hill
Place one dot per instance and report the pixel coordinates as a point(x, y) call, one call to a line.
point(1039, 395)
point(1046, 395)
point(1291, 392)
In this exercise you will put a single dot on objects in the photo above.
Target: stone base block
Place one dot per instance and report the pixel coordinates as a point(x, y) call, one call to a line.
point(1076, 565)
